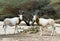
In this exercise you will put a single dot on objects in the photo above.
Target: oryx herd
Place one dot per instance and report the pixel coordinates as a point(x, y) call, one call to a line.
point(39, 21)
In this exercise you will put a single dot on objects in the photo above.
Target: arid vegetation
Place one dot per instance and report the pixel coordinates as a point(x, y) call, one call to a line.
point(47, 8)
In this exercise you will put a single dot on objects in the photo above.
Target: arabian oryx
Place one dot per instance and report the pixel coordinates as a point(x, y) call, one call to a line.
point(12, 22)
point(44, 22)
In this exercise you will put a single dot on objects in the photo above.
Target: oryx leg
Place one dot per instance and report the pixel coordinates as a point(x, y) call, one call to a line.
point(4, 27)
point(53, 30)
point(41, 30)
point(16, 29)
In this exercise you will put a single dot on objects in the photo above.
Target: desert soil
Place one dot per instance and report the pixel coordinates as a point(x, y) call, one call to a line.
point(26, 36)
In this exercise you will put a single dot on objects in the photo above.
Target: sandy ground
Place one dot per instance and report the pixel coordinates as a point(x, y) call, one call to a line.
point(28, 37)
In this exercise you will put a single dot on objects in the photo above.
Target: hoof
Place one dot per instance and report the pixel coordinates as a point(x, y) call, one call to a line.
point(52, 34)
point(16, 32)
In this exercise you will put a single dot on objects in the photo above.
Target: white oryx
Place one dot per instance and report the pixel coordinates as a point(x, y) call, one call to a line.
point(44, 22)
point(12, 22)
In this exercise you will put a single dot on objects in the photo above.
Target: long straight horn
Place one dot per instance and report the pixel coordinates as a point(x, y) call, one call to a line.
point(36, 12)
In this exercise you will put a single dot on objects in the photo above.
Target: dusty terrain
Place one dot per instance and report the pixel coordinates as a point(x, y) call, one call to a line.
point(29, 37)
point(26, 36)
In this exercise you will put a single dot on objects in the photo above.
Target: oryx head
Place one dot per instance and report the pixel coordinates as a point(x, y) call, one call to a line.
point(21, 14)
point(34, 17)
